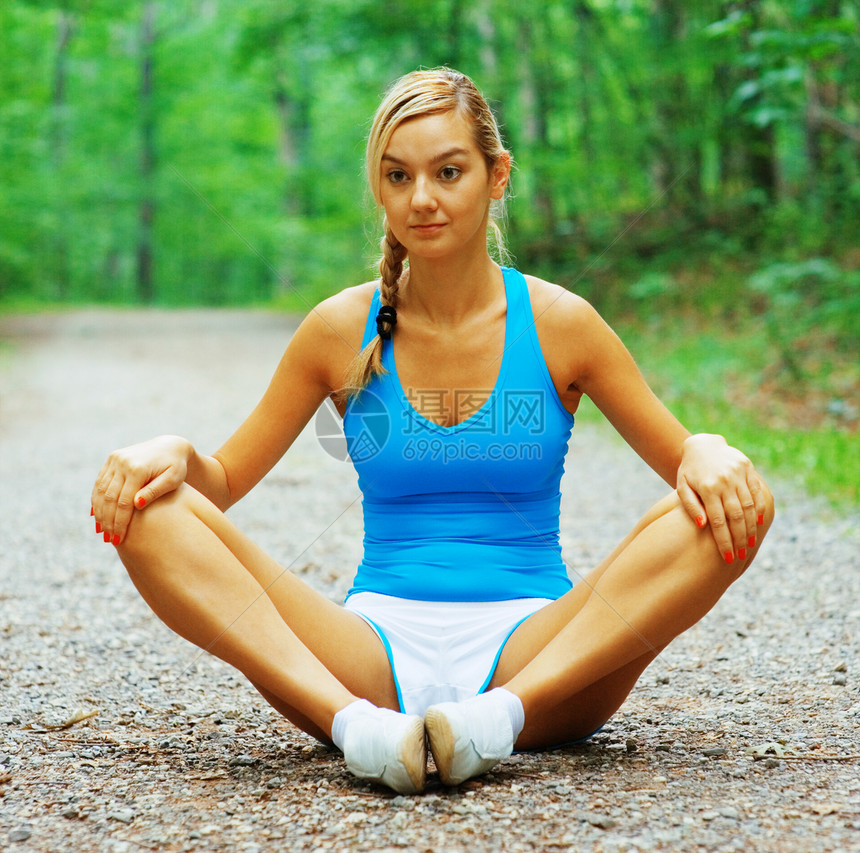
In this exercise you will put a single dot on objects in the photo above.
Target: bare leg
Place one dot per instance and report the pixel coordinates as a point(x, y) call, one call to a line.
point(573, 663)
point(212, 585)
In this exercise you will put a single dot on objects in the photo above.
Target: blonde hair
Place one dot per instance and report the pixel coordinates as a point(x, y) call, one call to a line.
point(421, 93)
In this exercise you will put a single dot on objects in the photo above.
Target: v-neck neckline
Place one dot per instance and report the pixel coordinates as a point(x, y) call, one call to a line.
point(488, 404)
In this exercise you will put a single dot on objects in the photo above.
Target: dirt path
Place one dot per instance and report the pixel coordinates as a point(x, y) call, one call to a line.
point(183, 755)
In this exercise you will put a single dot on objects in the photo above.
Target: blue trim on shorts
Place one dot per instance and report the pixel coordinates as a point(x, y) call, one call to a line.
point(504, 642)
point(387, 646)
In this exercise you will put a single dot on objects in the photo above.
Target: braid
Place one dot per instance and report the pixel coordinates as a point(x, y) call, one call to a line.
point(369, 361)
point(390, 266)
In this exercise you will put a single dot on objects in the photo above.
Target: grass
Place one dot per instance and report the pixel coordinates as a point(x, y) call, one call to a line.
point(730, 381)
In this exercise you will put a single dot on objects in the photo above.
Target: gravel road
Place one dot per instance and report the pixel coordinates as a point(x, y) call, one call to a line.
point(742, 736)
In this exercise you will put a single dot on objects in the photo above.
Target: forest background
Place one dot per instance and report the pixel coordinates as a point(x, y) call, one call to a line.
point(690, 168)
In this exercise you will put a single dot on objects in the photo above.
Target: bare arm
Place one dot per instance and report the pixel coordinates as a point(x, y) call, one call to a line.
point(310, 369)
point(716, 483)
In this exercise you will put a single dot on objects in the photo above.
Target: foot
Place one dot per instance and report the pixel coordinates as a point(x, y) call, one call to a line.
point(388, 747)
point(467, 738)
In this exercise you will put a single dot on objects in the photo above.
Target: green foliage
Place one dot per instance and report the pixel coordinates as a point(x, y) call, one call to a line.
point(647, 136)
point(719, 377)
point(674, 160)
point(808, 298)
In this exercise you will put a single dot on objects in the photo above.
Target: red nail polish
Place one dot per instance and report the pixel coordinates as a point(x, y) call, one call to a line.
point(700, 521)
point(742, 553)
point(92, 512)
point(116, 539)
point(751, 541)
point(141, 502)
point(107, 536)
point(729, 557)
point(98, 528)
point(761, 518)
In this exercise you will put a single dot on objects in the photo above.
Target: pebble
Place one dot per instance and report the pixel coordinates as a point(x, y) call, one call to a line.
point(122, 815)
point(22, 833)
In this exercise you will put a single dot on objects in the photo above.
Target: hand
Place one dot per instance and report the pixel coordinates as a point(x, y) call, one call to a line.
point(132, 478)
point(720, 487)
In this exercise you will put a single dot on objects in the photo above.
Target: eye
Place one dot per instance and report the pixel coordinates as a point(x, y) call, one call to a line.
point(396, 176)
point(450, 173)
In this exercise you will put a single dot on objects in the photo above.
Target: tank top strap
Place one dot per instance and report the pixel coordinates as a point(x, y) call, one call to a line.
point(519, 308)
point(529, 362)
point(370, 325)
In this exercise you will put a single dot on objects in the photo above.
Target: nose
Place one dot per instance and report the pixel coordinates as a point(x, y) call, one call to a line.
point(423, 197)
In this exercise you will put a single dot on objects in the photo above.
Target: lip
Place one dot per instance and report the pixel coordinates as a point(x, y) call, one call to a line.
point(428, 228)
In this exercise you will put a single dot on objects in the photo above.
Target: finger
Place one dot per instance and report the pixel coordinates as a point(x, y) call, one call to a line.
point(749, 507)
point(165, 482)
point(759, 498)
point(109, 490)
point(691, 503)
point(718, 520)
point(124, 511)
point(101, 483)
point(737, 523)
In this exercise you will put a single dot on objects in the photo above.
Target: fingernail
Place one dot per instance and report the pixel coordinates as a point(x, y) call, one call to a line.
point(98, 528)
point(700, 521)
point(729, 557)
point(761, 518)
point(116, 539)
point(751, 541)
point(107, 536)
point(92, 511)
point(742, 553)
point(141, 502)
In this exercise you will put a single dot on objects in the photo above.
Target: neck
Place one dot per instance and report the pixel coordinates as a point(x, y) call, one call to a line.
point(446, 291)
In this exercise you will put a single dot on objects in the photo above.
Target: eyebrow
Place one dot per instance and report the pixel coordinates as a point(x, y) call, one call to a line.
point(451, 152)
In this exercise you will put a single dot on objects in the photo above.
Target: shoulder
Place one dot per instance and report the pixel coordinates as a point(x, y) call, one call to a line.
point(342, 315)
point(575, 340)
point(330, 335)
point(336, 325)
point(557, 309)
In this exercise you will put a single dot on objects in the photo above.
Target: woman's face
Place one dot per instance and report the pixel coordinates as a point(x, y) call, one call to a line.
point(435, 186)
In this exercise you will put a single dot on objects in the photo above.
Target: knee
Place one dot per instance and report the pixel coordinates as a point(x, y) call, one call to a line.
point(152, 528)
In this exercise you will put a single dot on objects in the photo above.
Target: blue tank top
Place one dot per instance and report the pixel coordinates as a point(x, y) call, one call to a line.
point(468, 512)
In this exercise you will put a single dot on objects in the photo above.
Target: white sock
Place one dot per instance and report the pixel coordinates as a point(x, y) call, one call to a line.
point(511, 703)
point(359, 708)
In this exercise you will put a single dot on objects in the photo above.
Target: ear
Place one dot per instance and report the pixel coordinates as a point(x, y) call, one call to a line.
point(500, 175)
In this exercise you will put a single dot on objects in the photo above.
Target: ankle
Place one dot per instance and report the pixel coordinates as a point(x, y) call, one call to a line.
point(345, 716)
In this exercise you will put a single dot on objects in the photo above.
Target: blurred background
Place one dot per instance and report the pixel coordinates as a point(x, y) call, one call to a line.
point(690, 168)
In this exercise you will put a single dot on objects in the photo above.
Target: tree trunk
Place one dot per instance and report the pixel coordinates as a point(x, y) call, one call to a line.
point(59, 140)
point(677, 167)
point(534, 93)
point(294, 133)
point(760, 142)
point(584, 39)
point(146, 212)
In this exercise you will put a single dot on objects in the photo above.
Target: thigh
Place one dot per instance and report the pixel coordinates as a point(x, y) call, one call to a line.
point(345, 644)
point(589, 709)
point(536, 631)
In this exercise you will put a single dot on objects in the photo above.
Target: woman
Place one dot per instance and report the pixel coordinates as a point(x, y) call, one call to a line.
point(461, 626)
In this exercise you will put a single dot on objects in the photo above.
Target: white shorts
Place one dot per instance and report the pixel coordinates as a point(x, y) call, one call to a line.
point(441, 651)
